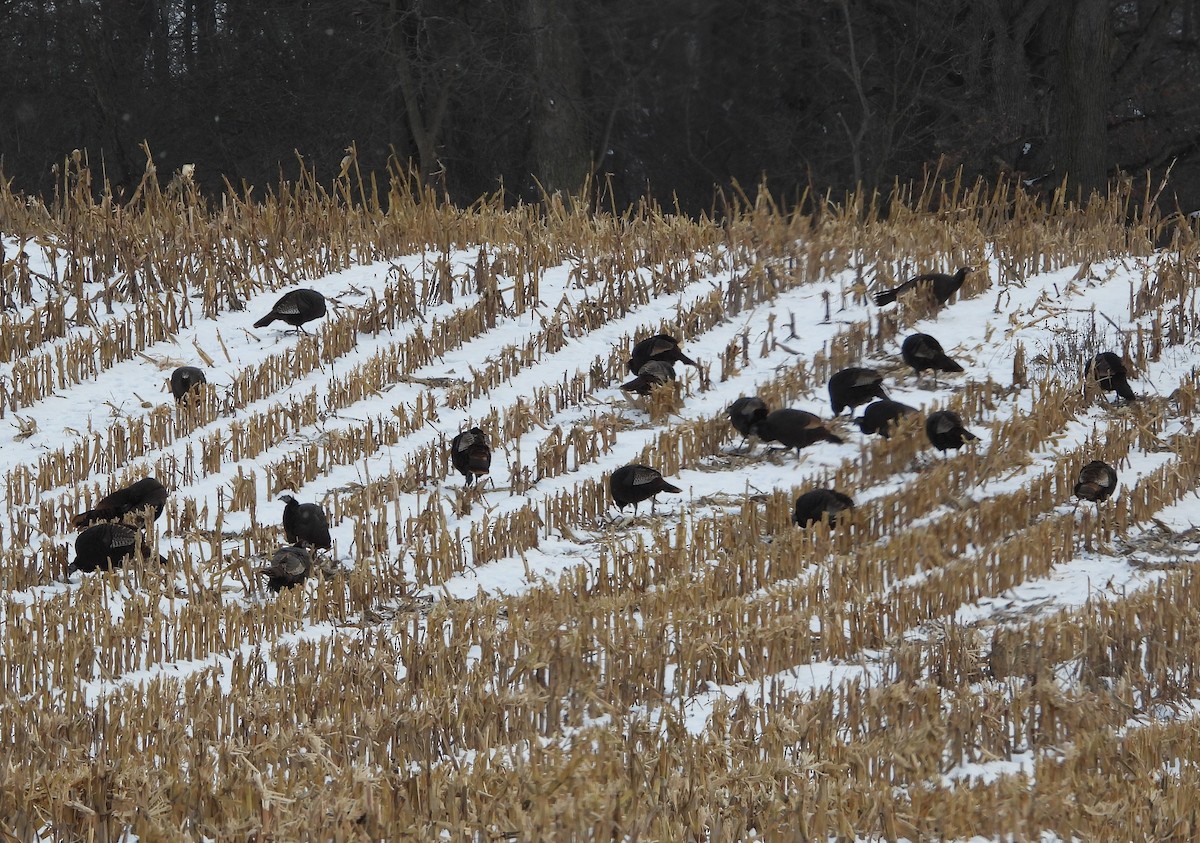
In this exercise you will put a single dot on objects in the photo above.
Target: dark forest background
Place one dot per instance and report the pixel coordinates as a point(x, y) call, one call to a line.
point(672, 98)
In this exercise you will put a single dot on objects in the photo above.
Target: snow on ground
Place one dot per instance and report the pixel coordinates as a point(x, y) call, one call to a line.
point(1044, 313)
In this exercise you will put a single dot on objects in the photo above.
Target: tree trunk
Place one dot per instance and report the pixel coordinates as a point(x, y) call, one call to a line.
point(426, 115)
point(154, 20)
point(560, 159)
point(1080, 95)
point(1016, 111)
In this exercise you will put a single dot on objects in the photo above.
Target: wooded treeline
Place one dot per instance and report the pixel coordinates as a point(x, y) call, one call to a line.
point(673, 98)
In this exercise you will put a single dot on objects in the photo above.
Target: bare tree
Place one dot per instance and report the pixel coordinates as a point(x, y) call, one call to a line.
point(677, 98)
point(425, 51)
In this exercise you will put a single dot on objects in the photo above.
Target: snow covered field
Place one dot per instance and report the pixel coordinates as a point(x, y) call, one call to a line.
point(973, 648)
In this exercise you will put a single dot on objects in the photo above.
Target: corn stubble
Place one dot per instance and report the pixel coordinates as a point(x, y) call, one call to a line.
point(562, 711)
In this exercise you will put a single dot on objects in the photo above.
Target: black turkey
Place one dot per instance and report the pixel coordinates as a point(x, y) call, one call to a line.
point(632, 484)
point(295, 308)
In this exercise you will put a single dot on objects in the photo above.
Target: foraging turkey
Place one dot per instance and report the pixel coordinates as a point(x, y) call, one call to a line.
point(107, 546)
point(661, 347)
point(1110, 374)
point(650, 375)
point(793, 429)
point(882, 416)
point(289, 567)
point(942, 285)
point(811, 506)
point(145, 492)
point(922, 352)
point(470, 454)
point(854, 386)
point(295, 308)
point(305, 523)
point(632, 484)
point(744, 412)
point(945, 430)
point(1097, 481)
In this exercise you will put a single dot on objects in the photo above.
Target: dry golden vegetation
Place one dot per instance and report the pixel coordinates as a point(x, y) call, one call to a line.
point(516, 662)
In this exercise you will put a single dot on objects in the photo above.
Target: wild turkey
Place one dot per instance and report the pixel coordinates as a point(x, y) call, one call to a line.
point(942, 285)
point(811, 506)
point(854, 386)
point(295, 308)
point(652, 374)
point(289, 567)
point(632, 484)
point(922, 352)
point(882, 416)
point(305, 524)
point(184, 380)
point(147, 492)
point(1097, 481)
point(1111, 375)
point(793, 429)
point(661, 347)
point(744, 412)
point(945, 430)
point(470, 454)
point(107, 546)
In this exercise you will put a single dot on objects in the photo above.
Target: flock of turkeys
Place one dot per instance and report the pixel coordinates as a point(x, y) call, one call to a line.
point(855, 386)
point(114, 530)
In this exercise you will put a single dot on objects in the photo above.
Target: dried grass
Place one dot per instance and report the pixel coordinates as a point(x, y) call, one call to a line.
point(562, 712)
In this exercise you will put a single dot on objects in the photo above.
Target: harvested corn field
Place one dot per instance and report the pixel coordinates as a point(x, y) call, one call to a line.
point(489, 648)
